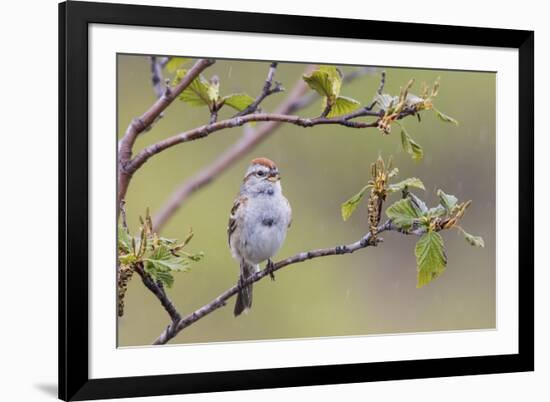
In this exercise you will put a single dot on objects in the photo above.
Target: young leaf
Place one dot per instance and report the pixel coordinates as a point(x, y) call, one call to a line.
point(162, 260)
point(350, 205)
point(326, 81)
point(343, 105)
point(199, 92)
point(239, 101)
point(213, 89)
point(413, 100)
point(385, 101)
point(410, 182)
point(448, 201)
point(403, 213)
point(447, 119)
point(430, 258)
point(180, 73)
point(194, 257)
point(410, 146)
point(436, 212)
point(418, 203)
point(165, 277)
point(394, 172)
point(124, 240)
point(175, 63)
point(476, 241)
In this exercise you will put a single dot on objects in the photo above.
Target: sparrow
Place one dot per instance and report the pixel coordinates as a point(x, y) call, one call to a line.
point(257, 225)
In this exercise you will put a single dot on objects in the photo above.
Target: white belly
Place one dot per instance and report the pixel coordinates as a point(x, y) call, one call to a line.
point(264, 229)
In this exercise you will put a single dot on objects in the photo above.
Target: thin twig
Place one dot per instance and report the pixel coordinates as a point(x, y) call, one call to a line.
point(213, 116)
point(379, 91)
point(159, 292)
point(156, 76)
point(175, 327)
point(206, 130)
point(382, 83)
point(326, 110)
point(298, 98)
point(268, 89)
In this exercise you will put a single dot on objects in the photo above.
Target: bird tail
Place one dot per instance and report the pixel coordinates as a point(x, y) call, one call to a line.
point(244, 297)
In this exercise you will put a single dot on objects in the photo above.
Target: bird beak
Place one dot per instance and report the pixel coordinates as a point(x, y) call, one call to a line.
point(273, 177)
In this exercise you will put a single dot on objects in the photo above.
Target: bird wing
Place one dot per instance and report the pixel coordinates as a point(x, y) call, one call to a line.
point(234, 216)
point(289, 213)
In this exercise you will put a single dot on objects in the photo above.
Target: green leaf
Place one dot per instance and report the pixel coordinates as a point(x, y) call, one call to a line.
point(167, 240)
point(418, 203)
point(410, 182)
point(213, 90)
point(385, 101)
point(326, 81)
point(447, 119)
point(343, 105)
point(410, 146)
point(476, 241)
point(194, 257)
point(127, 259)
point(394, 172)
point(165, 277)
point(350, 205)
point(435, 212)
point(200, 92)
point(239, 101)
point(162, 260)
point(180, 73)
point(447, 200)
point(403, 213)
point(124, 240)
point(175, 63)
point(430, 258)
point(413, 100)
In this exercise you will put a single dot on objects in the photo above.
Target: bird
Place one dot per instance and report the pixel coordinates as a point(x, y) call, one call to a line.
point(258, 224)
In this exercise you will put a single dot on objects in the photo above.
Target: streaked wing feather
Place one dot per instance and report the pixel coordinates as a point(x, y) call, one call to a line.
point(289, 213)
point(233, 216)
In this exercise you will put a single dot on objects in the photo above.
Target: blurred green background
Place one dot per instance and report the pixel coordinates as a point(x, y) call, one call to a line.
point(372, 291)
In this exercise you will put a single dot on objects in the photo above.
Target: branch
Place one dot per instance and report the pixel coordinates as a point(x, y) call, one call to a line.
point(382, 83)
point(298, 98)
point(175, 327)
point(144, 121)
point(206, 130)
point(268, 89)
point(158, 291)
point(156, 76)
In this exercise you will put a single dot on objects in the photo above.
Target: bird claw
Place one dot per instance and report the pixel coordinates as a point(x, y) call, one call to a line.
point(269, 267)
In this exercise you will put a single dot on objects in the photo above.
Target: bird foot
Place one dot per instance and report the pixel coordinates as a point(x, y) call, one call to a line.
point(269, 267)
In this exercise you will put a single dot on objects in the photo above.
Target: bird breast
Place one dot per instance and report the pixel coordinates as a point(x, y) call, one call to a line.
point(265, 227)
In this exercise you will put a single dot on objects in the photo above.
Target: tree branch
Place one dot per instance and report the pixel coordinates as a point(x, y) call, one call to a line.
point(156, 76)
point(144, 121)
point(298, 98)
point(175, 327)
point(159, 292)
point(206, 130)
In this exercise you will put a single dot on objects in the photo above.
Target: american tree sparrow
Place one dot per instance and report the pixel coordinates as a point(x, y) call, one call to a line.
point(258, 223)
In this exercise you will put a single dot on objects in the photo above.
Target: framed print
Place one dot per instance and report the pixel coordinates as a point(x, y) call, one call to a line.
point(259, 201)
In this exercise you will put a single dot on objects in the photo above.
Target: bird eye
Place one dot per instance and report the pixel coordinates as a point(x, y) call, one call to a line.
point(261, 173)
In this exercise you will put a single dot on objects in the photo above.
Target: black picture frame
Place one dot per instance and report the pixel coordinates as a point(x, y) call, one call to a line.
point(74, 381)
